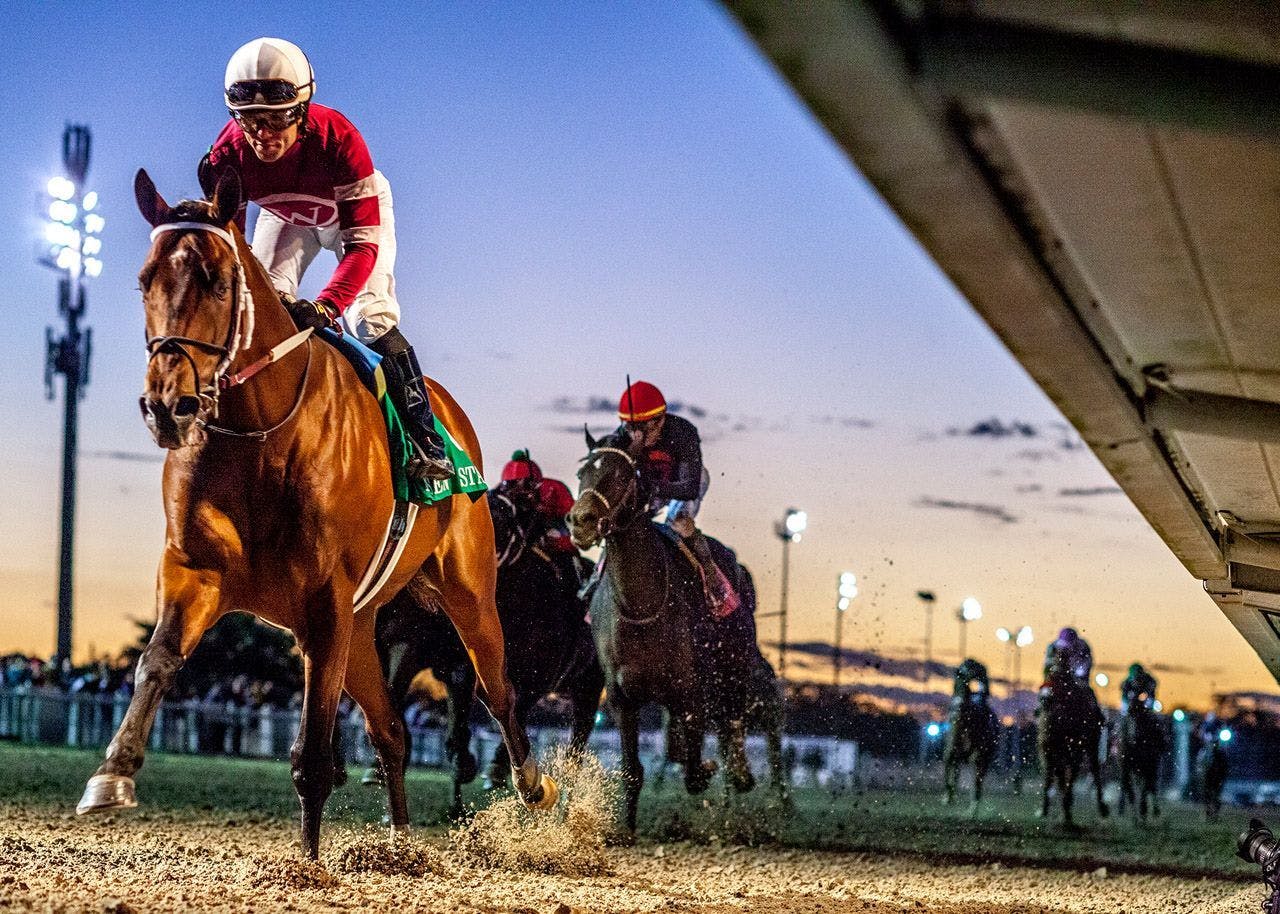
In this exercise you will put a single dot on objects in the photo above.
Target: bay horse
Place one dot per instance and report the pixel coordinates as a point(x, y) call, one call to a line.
point(1212, 768)
point(1070, 733)
point(972, 736)
point(1140, 744)
point(649, 617)
point(275, 495)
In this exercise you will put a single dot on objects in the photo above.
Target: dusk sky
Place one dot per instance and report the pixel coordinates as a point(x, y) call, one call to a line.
point(584, 190)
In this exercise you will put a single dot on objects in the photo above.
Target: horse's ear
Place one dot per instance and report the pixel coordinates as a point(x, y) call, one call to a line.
point(591, 442)
point(150, 203)
point(226, 196)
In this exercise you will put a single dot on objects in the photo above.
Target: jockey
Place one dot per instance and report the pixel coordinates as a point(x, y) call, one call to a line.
point(309, 171)
point(669, 455)
point(523, 482)
point(1079, 654)
point(1139, 682)
point(969, 673)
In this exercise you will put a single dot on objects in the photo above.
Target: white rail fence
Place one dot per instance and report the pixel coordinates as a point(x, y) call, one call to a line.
point(54, 717)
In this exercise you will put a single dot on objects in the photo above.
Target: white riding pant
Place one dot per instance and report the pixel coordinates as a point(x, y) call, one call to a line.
point(286, 250)
point(681, 514)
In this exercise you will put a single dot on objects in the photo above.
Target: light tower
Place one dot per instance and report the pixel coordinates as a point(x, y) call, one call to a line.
point(789, 530)
point(72, 245)
point(846, 590)
point(970, 611)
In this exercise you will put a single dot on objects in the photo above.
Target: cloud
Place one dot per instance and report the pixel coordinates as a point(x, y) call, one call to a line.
point(842, 421)
point(583, 406)
point(995, 428)
point(992, 511)
point(127, 456)
point(1090, 491)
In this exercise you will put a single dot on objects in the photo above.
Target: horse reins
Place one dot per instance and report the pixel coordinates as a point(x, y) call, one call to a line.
point(611, 517)
point(239, 336)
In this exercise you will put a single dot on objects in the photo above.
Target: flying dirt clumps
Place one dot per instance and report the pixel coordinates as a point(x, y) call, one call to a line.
point(290, 871)
point(569, 840)
point(374, 851)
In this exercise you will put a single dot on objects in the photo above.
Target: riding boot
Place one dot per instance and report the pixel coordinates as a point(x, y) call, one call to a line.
point(409, 394)
point(720, 596)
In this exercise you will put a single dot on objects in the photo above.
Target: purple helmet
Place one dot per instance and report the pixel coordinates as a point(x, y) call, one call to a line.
point(1068, 637)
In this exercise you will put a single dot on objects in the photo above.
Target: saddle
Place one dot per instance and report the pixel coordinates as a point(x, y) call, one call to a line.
point(466, 479)
point(726, 562)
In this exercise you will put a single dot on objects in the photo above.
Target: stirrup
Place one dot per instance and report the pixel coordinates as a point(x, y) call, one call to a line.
point(421, 466)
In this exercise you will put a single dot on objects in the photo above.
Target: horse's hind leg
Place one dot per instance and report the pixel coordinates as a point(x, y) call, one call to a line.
point(325, 642)
point(385, 727)
point(951, 769)
point(189, 604)
point(1095, 768)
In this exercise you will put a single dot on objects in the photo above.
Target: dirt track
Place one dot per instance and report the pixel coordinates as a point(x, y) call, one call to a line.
point(141, 863)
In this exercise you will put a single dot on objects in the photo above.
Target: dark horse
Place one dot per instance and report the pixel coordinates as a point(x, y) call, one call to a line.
point(538, 600)
point(972, 736)
point(1070, 732)
point(1140, 743)
point(549, 647)
point(656, 638)
point(763, 712)
point(277, 490)
point(412, 638)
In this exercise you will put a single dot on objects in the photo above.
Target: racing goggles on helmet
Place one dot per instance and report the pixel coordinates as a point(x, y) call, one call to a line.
point(261, 92)
point(254, 120)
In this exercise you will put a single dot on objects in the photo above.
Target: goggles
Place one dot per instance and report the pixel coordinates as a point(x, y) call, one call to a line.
point(261, 92)
point(275, 121)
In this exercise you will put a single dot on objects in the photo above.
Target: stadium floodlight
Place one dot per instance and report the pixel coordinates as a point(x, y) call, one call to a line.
point(94, 224)
point(788, 529)
point(846, 590)
point(61, 188)
point(1225, 735)
point(1157, 706)
point(62, 211)
point(90, 201)
point(1003, 634)
point(1025, 636)
point(933, 730)
point(1179, 715)
point(970, 609)
point(1102, 680)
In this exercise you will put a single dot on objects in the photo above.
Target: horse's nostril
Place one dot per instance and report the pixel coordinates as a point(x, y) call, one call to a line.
point(186, 406)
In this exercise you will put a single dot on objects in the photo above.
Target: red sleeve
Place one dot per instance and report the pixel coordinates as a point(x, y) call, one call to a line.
point(352, 273)
point(223, 154)
point(356, 192)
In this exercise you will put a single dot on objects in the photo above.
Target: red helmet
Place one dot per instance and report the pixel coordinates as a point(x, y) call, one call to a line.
point(521, 467)
point(554, 498)
point(641, 401)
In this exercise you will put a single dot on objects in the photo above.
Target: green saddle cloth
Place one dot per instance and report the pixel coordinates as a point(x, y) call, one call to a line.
point(466, 478)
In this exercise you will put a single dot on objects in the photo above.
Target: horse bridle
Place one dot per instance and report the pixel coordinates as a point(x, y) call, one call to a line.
point(239, 336)
point(605, 525)
point(518, 539)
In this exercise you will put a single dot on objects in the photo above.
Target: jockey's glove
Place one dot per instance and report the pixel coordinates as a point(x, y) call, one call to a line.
point(317, 314)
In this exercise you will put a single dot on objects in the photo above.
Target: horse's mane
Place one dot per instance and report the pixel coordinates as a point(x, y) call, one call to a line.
point(191, 211)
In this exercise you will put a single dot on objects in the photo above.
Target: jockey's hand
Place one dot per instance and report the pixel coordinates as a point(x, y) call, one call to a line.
point(317, 314)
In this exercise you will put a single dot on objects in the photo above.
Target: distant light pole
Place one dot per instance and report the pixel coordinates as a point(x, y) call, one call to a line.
point(789, 530)
point(72, 245)
point(970, 611)
point(846, 590)
point(928, 599)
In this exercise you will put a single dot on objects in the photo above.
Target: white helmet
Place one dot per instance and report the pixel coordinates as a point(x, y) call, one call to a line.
point(268, 73)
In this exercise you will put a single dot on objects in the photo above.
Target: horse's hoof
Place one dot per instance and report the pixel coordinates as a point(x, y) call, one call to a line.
point(107, 791)
point(544, 796)
point(743, 783)
point(1103, 811)
point(400, 831)
point(373, 777)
